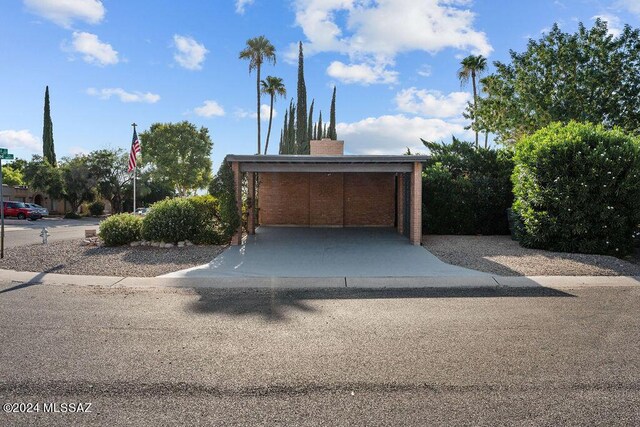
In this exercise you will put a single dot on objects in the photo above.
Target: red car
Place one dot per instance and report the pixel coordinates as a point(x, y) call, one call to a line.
point(20, 211)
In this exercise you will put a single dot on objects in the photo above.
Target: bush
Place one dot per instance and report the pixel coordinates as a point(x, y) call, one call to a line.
point(577, 189)
point(179, 219)
point(120, 229)
point(72, 215)
point(96, 208)
point(466, 190)
point(222, 188)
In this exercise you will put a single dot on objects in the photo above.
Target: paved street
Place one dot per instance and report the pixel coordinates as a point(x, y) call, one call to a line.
point(23, 232)
point(322, 357)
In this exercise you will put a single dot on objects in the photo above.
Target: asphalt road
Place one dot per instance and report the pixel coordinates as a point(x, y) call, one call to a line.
point(323, 357)
point(22, 232)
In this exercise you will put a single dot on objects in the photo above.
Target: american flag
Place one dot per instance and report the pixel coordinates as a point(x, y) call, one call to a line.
point(135, 150)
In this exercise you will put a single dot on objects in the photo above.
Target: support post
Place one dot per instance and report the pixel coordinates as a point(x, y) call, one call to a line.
point(415, 232)
point(251, 220)
point(400, 204)
point(237, 178)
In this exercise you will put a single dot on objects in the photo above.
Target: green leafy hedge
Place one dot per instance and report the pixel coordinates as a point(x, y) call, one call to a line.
point(577, 189)
point(96, 208)
point(466, 190)
point(222, 187)
point(120, 229)
point(179, 219)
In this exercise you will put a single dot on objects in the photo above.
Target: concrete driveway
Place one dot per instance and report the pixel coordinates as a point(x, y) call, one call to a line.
point(326, 252)
point(23, 232)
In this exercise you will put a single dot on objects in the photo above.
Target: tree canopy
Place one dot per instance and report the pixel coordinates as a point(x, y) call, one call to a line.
point(178, 153)
point(587, 76)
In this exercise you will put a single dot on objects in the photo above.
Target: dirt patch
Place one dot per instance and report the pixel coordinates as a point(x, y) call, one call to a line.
point(503, 256)
point(68, 257)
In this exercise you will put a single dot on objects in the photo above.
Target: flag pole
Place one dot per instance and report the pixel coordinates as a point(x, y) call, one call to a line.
point(135, 170)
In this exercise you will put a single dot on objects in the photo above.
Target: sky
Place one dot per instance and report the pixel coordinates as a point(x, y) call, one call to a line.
point(110, 63)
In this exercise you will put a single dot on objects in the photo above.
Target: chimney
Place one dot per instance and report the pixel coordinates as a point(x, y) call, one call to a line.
point(326, 147)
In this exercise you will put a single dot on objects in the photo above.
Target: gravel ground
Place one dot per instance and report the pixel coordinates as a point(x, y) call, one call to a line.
point(503, 256)
point(68, 257)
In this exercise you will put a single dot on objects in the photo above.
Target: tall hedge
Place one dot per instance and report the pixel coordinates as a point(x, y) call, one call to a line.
point(577, 189)
point(466, 190)
point(222, 187)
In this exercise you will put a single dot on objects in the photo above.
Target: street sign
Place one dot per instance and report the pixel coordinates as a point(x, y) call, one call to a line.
point(4, 151)
point(5, 156)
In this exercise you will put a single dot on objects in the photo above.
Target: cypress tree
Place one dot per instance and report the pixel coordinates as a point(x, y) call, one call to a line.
point(48, 150)
point(310, 123)
point(319, 131)
point(291, 138)
point(301, 120)
point(284, 133)
point(332, 117)
point(325, 133)
point(315, 131)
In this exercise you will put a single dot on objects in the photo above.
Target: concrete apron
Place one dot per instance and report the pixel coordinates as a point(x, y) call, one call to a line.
point(329, 253)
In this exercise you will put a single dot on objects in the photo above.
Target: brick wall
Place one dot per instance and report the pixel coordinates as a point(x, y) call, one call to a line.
point(369, 199)
point(326, 147)
point(327, 199)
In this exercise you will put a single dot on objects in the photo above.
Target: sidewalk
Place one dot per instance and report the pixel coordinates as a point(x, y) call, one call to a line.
point(565, 282)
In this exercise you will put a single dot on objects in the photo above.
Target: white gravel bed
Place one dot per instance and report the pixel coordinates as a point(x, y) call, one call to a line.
point(68, 257)
point(502, 256)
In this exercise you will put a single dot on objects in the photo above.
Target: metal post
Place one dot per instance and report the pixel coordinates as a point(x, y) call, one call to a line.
point(1, 213)
point(135, 170)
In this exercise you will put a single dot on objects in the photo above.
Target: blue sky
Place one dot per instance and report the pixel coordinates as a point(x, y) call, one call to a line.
point(109, 63)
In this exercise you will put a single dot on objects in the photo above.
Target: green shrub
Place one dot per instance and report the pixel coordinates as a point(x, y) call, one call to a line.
point(72, 215)
point(120, 229)
point(466, 190)
point(179, 219)
point(96, 208)
point(223, 189)
point(577, 189)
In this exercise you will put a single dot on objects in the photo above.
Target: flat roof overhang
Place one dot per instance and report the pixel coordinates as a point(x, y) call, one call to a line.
point(306, 163)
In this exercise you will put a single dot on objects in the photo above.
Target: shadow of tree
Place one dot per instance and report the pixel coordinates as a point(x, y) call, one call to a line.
point(275, 304)
point(36, 280)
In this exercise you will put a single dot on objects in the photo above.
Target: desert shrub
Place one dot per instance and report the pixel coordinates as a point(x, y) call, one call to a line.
point(72, 215)
point(96, 208)
point(222, 188)
point(120, 229)
point(577, 189)
point(179, 219)
point(466, 190)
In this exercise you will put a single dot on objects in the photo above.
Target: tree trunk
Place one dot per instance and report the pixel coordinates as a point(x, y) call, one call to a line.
point(475, 102)
point(266, 145)
point(258, 111)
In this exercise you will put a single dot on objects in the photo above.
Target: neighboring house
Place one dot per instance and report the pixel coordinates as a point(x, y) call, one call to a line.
point(329, 189)
point(55, 206)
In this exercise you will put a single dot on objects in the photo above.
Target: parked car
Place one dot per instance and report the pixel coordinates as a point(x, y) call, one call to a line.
point(20, 211)
point(43, 211)
point(142, 211)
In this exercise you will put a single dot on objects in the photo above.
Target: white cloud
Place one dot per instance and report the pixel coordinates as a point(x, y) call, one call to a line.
point(613, 23)
point(393, 134)
point(136, 96)
point(632, 6)
point(432, 103)
point(241, 5)
point(209, 109)
point(264, 113)
point(19, 139)
point(361, 73)
point(379, 30)
point(425, 70)
point(93, 50)
point(64, 12)
point(190, 54)
point(77, 150)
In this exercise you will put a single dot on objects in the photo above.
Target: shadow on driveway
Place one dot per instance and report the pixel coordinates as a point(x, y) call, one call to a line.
point(274, 304)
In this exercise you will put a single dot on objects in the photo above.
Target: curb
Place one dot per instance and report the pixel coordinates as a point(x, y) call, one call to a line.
point(563, 282)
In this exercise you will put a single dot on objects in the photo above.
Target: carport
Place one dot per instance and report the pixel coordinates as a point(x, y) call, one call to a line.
point(328, 189)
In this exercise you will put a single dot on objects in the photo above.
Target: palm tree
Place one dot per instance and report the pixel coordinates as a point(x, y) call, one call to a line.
point(272, 86)
point(471, 67)
point(257, 51)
